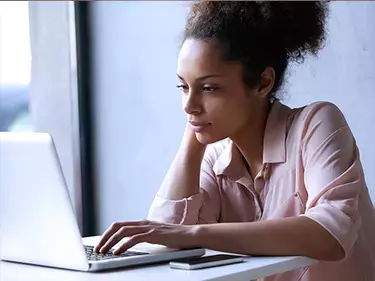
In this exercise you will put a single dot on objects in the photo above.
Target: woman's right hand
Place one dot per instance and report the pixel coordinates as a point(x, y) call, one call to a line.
point(182, 179)
point(190, 138)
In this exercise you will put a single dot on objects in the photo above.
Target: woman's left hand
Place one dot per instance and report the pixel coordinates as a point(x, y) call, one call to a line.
point(170, 235)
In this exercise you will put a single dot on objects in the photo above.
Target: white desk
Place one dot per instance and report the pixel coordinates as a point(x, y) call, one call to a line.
point(252, 268)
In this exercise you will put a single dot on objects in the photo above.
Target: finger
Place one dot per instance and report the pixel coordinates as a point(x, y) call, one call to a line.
point(136, 239)
point(124, 231)
point(107, 234)
point(113, 229)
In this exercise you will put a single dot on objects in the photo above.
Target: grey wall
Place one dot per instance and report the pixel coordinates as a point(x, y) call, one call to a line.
point(138, 117)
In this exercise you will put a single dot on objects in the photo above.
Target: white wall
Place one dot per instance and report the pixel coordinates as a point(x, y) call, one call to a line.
point(138, 116)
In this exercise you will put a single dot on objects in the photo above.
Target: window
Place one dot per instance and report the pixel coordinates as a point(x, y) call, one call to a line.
point(38, 80)
point(15, 66)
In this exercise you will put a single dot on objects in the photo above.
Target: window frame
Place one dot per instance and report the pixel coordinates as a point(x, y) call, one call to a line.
point(59, 41)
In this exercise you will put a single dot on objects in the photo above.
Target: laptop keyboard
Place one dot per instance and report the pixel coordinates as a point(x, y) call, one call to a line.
point(92, 256)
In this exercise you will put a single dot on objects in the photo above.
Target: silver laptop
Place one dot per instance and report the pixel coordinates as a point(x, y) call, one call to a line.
point(38, 223)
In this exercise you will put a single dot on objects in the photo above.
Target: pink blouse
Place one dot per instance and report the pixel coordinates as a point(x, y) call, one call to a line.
point(311, 167)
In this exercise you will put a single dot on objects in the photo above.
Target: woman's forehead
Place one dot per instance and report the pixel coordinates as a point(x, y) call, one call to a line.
point(197, 50)
point(201, 56)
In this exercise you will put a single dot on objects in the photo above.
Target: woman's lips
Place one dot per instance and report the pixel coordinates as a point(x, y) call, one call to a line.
point(198, 127)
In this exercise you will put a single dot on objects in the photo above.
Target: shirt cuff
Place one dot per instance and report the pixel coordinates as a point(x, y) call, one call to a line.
point(184, 211)
point(340, 220)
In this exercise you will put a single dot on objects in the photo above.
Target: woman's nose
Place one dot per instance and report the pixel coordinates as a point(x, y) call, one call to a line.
point(192, 104)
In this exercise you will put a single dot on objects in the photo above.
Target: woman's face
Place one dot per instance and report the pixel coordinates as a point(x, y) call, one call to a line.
point(214, 96)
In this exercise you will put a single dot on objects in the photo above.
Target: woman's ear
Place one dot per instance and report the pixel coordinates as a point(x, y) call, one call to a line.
point(267, 81)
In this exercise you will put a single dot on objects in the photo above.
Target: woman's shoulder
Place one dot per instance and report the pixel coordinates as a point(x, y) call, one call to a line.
point(318, 113)
point(318, 122)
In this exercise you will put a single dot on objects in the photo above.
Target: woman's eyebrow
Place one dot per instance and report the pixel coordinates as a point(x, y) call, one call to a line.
point(203, 77)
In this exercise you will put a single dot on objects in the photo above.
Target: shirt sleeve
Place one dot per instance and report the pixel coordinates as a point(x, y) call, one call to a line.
point(333, 174)
point(200, 208)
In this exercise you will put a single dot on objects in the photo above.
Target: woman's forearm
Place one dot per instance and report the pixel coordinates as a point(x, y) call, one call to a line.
point(182, 179)
point(288, 236)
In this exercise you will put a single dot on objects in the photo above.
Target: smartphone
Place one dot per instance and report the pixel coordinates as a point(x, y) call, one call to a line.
point(205, 261)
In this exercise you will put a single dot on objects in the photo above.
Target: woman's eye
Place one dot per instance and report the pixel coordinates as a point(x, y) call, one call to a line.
point(210, 89)
point(184, 88)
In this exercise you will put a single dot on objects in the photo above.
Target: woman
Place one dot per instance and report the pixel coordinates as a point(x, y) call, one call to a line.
point(253, 176)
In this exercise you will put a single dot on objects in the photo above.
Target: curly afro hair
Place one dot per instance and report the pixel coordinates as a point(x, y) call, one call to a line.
point(260, 34)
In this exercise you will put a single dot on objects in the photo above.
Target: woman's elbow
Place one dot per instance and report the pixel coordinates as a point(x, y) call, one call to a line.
point(332, 251)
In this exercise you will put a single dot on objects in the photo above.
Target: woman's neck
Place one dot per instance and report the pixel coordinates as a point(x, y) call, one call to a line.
point(249, 141)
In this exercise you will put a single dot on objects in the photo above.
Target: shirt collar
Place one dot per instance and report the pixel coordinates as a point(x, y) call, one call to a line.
point(230, 162)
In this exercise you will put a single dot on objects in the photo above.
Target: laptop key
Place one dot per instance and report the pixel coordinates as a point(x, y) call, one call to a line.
point(92, 256)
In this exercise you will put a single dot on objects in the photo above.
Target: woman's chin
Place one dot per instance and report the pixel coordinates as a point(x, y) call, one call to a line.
point(205, 138)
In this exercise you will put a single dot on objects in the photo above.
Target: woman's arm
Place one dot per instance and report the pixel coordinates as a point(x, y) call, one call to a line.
point(182, 179)
point(289, 236)
point(189, 193)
